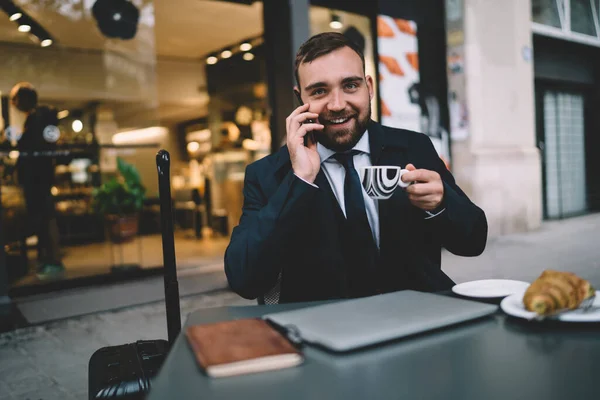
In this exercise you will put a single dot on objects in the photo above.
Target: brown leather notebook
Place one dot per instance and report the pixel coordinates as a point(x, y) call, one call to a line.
point(241, 347)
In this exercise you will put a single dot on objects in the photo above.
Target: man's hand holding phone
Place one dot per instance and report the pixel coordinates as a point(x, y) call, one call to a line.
point(303, 153)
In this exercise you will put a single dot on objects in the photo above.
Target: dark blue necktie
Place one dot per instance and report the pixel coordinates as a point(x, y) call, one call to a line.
point(357, 238)
point(354, 203)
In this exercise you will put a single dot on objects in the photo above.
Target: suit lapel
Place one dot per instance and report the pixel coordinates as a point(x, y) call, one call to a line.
point(327, 211)
point(327, 193)
point(283, 165)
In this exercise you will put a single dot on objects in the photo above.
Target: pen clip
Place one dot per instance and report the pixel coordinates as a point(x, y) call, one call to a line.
point(291, 332)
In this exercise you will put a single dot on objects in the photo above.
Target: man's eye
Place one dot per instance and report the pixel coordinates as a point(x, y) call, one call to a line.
point(351, 86)
point(318, 92)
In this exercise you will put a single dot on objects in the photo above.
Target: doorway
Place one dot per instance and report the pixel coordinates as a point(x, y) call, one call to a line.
point(561, 126)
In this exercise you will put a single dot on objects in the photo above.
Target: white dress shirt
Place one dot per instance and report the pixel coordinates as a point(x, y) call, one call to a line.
point(336, 173)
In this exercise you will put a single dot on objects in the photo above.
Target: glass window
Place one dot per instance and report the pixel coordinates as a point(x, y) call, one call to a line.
point(546, 12)
point(120, 83)
point(582, 17)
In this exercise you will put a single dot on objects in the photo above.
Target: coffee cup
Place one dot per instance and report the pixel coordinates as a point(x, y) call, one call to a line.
point(380, 181)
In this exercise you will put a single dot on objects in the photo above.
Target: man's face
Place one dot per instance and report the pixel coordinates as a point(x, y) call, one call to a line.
point(336, 88)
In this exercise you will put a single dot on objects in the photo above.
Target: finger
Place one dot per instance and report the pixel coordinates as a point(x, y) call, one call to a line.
point(305, 128)
point(424, 189)
point(301, 109)
point(427, 199)
point(304, 117)
point(415, 175)
point(428, 203)
point(410, 167)
point(420, 175)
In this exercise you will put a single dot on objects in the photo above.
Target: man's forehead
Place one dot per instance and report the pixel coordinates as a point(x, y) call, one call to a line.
point(332, 67)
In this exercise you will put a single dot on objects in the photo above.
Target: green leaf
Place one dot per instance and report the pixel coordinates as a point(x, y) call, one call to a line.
point(120, 195)
point(128, 171)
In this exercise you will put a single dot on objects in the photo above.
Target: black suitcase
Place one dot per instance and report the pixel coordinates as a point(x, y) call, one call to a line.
point(126, 371)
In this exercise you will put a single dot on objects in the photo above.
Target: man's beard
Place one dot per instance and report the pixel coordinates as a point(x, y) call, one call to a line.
point(350, 136)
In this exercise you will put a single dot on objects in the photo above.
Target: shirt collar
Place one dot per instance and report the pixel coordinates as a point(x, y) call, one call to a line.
point(362, 146)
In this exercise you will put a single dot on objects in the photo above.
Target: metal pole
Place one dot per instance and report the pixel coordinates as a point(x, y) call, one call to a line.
point(4, 286)
point(163, 164)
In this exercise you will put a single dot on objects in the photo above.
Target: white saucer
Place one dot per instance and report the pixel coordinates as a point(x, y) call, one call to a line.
point(513, 305)
point(490, 288)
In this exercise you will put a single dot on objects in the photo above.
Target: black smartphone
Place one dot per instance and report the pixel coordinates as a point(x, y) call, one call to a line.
point(308, 121)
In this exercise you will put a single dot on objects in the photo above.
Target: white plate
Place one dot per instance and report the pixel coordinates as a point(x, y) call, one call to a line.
point(513, 305)
point(490, 288)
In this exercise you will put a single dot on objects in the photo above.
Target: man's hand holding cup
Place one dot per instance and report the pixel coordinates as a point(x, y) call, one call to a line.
point(426, 191)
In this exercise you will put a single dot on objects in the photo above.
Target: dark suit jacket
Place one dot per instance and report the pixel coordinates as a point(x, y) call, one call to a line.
point(291, 227)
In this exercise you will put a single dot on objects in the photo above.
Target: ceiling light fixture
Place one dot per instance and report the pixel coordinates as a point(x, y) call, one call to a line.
point(248, 56)
point(226, 54)
point(77, 126)
point(193, 147)
point(152, 134)
point(212, 60)
point(27, 24)
point(336, 22)
point(245, 46)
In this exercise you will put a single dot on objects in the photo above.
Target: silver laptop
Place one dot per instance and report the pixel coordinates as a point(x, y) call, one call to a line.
point(356, 323)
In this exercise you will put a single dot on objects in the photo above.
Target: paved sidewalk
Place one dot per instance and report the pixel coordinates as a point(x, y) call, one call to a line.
point(567, 245)
point(49, 361)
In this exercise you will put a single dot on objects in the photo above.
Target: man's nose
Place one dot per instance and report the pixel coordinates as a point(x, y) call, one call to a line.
point(336, 101)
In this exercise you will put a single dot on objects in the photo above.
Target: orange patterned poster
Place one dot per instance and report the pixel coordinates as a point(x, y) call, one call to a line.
point(399, 72)
point(383, 29)
point(403, 104)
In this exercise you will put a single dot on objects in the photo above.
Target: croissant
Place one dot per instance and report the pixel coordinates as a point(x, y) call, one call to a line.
point(555, 290)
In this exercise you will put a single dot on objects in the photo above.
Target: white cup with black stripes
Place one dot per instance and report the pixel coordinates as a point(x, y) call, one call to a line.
point(380, 181)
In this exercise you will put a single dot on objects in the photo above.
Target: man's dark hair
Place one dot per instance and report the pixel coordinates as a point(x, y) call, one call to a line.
point(24, 96)
point(322, 44)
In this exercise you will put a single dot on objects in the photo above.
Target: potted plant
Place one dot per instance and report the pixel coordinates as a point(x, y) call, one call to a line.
point(120, 200)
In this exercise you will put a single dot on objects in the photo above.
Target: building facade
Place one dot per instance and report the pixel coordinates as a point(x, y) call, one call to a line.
point(506, 91)
point(527, 75)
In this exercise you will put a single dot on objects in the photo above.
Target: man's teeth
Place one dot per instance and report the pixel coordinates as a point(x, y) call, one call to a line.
point(339, 120)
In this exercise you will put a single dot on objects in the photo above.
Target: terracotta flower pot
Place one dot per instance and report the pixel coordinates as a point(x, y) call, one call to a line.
point(122, 228)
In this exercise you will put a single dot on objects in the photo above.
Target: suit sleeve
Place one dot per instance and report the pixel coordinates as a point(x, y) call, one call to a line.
point(265, 234)
point(462, 228)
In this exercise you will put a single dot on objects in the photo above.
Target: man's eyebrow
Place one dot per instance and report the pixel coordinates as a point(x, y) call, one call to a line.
point(315, 85)
point(353, 79)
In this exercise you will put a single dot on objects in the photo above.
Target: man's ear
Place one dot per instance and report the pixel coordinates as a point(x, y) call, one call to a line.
point(369, 81)
point(298, 97)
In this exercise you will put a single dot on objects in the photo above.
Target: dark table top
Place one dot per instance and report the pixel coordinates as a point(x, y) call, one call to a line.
point(496, 357)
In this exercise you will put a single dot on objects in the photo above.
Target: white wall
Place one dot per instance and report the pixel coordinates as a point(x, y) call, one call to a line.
point(499, 164)
point(145, 93)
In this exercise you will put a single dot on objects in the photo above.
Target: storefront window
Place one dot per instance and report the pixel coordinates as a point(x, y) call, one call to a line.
point(582, 17)
point(547, 12)
point(124, 83)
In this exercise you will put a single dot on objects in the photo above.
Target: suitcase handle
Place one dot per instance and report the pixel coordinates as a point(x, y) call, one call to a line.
point(163, 164)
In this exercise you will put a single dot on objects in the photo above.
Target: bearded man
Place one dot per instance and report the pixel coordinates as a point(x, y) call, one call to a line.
point(309, 231)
